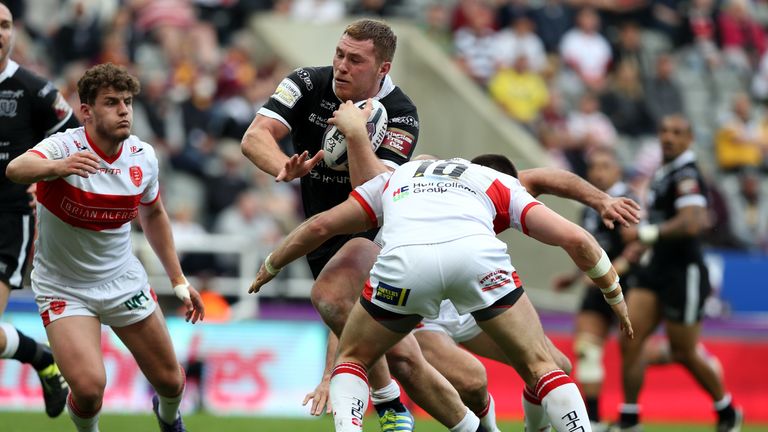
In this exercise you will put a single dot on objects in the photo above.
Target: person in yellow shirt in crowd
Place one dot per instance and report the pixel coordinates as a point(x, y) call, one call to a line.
point(521, 93)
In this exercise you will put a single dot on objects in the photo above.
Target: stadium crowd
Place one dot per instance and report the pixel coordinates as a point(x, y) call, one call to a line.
point(204, 77)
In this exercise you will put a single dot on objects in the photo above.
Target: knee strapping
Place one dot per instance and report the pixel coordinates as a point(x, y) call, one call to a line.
point(589, 361)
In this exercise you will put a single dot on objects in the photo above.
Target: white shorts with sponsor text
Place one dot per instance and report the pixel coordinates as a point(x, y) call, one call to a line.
point(116, 303)
point(473, 272)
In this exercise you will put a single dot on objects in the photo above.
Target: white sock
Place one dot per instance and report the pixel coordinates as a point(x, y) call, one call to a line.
point(488, 416)
point(469, 423)
point(724, 402)
point(387, 393)
point(562, 401)
point(349, 396)
point(536, 419)
point(168, 408)
point(84, 422)
point(11, 340)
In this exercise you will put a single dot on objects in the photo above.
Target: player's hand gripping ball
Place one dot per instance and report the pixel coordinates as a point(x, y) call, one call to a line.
point(335, 144)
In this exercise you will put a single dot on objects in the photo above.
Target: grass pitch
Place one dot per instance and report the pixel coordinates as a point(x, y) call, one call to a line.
point(34, 422)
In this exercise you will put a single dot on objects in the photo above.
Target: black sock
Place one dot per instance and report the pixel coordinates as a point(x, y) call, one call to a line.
point(628, 419)
point(480, 428)
point(394, 404)
point(592, 403)
point(33, 353)
point(727, 413)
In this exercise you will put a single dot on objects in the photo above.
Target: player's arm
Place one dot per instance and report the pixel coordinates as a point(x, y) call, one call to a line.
point(157, 228)
point(363, 162)
point(320, 396)
point(31, 167)
point(346, 218)
point(568, 185)
point(689, 221)
point(549, 227)
point(259, 144)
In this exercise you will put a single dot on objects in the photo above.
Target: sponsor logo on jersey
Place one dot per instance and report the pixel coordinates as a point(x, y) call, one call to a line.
point(112, 171)
point(405, 120)
point(137, 301)
point(316, 119)
point(494, 279)
point(80, 146)
point(398, 141)
point(5, 143)
point(400, 193)
point(304, 75)
point(136, 175)
point(338, 179)
point(8, 107)
point(329, 105)
point(287, 93)
point(391, 295)
point(688, 186)
point(97, 214)
point(47, 88)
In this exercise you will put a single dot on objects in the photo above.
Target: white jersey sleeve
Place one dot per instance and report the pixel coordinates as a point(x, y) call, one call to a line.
point(52, 148)
point(520, 201)
point(369, 196)
point(152, 191)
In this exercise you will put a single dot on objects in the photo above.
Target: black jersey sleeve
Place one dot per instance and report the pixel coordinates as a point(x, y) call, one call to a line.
point(50, 110)
point(689, 188)
point(292, 96)
point(402, 128)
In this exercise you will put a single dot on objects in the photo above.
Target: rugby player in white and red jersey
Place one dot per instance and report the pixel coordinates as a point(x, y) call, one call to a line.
point(92, 181)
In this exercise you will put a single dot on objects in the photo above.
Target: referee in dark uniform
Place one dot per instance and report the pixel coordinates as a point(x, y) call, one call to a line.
point(673, 285)
point(30, 109)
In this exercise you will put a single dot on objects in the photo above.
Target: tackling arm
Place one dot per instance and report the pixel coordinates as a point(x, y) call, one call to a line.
point(568, 185)
point(259, 145)
point(548, 227)
point(345, 218)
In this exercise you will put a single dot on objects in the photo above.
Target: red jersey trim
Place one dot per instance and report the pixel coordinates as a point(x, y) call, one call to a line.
point(101, 154)
point(500, 197)
point(153, 200)
point(37, 153)
point(524, 213)
point(366, 207)
point(87, 210)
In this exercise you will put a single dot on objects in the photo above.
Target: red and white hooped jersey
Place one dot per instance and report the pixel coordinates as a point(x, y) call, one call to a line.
point(435, 201)
point(84, 223)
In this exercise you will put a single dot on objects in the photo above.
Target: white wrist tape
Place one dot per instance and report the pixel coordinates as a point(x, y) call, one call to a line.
point(602, 267)
point(268, 266)
point(182, 290)
point(613, 286)
point(614, 300)
point(648, 234)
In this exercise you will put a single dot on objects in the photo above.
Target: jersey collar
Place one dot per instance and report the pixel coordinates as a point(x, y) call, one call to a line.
point(684, 158)
point(108, 159)
point(10, 69)
point(387, 85)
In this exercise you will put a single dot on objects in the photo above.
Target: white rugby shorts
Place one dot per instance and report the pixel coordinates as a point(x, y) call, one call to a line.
point(460, 328)
point(473, 272)
point(116, 303)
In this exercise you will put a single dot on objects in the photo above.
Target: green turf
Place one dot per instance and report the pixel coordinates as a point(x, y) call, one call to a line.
point(33, 422)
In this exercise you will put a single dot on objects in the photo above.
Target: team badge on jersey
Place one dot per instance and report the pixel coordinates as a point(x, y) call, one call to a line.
point(136, 175)
point(287, 93)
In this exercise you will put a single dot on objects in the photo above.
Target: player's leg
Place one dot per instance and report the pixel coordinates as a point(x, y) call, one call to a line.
point(643, 308)
point(592, 329)
point(362, 342)
point(465, 373)
point(335, 291)
point(76, 343)
point(514, 324)
point(151, 346)
point(15, 247)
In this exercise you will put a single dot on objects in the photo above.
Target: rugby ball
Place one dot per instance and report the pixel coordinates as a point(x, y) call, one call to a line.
point(335, 144)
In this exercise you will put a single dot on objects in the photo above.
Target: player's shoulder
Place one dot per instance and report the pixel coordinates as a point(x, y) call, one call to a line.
point(136, 148)
point(689, 170)
point(310, 79)
point(37, 85)
point(400, 108)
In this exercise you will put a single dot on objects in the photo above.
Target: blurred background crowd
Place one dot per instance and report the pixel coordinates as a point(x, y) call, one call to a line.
point(576, 74)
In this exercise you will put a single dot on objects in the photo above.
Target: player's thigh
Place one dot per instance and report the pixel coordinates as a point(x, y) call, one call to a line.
point(364, 339)
point(683, 338)
point(593, 323)
point(151, 346)
point(483, 345)
point(644, 311)
point(76, 345)
point(519, 333)
point(454, 363)
point(346, 272)
point(5, 293)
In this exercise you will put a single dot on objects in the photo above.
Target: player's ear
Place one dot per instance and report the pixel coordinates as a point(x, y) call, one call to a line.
point(85, 111)
point(385, 67)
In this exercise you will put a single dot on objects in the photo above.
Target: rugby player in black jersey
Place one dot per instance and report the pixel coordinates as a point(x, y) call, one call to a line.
point(301, 106)
point(673, 285)
point(30, 109)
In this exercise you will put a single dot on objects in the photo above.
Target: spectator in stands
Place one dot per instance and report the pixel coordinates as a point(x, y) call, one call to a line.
point(587, 128)
point(519, 91)
point(436, 25)
point(474, 45)
point(740, 142)
point(78, 38)
point(553, 19)
point(662, 94)
point(318, 11)
point(586, 51)
point(508, 11)
point(749, 212)
point(742, 38)
point(702, 28)
point(374, 8)
point(520, 39)
point(230, 180)
point(624, 101)
point(629, 49)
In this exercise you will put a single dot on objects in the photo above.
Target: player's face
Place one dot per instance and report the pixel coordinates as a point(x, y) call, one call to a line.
point(603, 171)
point(675, 137)
point(356, 72)
point(111, 114)
point(6, 35)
